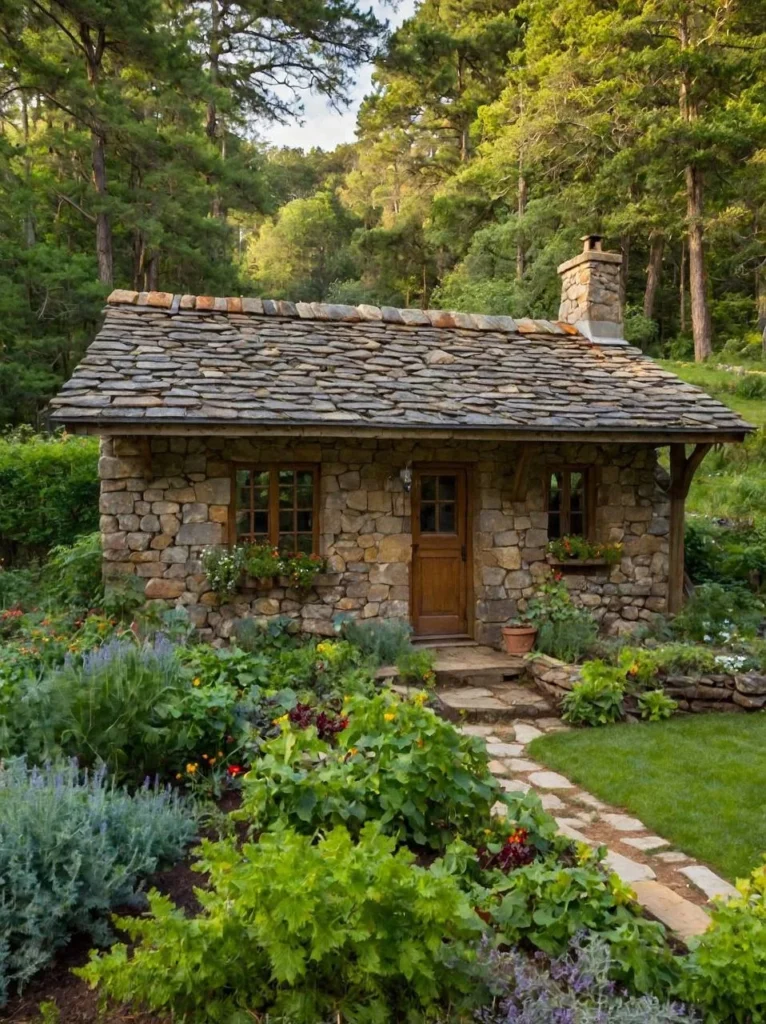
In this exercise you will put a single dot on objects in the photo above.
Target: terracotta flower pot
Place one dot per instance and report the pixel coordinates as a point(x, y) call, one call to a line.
point(519, 639)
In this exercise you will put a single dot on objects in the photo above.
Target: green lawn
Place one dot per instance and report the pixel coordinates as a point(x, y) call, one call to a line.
point(699, 781)
point(720, 384)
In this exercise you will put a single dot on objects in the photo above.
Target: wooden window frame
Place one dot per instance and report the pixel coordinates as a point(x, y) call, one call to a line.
point(589, 495)
point(273, 469)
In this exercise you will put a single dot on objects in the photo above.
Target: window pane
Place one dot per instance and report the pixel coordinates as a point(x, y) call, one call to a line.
point(428, 518)
point(286, 544)
point(243, 478)
point(286, 497)
point(428, 488)
point(261, 522)
point(554, 525)
point(305, 489)
point(304, 521)
point(286, 520)
point(447, 518)
point(305, 543)
point(286, 476)
point(554, 494)
point(243, 523)
point(577, 524)
point(446, 488)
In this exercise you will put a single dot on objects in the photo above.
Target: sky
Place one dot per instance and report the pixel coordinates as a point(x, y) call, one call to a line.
point(323, 126)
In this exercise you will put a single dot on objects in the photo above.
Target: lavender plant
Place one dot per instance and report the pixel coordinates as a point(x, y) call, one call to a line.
point(72, 847)
point(576, 988)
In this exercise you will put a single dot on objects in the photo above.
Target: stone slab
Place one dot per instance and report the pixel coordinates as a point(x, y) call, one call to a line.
point(623, 822)
point(680, 915)
point(477, 730)
point(526, 733)
point(520, 764)
point(550, 780)
point(514, 785)
point(628, 870)
point(570, 832)
point(646, 843)
point(592, 801)
point(498, 768)
point(505, 749)
point(551, 802)
point(708, 881)
point(672, 857)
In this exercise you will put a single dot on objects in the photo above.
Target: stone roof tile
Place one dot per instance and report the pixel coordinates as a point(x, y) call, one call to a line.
point(199, 359)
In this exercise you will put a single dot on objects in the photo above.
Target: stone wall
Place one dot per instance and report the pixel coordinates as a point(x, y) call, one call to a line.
point(720, 692)
point(164, 500)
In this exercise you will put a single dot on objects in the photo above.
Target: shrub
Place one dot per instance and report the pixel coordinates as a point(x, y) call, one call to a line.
point(275, 634)
point(72, 846)
point(224, 568)
point(563, 630)
point(72, 577)
point(656, 705)
point(309, 930)
point(579, 548)
point(719, 614)
point(567, 639)
point(597, 699)
point(726, 969)
point(48, 491)
point(752, 385)
point(729, 554)
point(382, 640)
point(574, 988)
point(397, 763)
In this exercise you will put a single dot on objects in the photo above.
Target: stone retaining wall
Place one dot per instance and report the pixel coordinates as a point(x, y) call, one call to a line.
point(164, 500)
point(719, 692)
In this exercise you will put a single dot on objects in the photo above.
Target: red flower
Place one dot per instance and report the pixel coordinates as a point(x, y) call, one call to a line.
point(235, 769)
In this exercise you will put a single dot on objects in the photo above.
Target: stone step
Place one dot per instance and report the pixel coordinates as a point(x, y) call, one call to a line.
point(503, 702)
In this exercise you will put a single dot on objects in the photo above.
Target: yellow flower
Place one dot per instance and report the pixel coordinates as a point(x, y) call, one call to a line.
point(420, 698)
point(278, 721)
point(196, 682)
point(352, 750)
point(389, 716)
point(191, 767)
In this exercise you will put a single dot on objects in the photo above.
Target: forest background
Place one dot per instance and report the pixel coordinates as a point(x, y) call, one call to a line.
point(496, 134)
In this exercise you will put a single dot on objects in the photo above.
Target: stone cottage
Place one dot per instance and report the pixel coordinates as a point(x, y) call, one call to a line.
point(428, 455)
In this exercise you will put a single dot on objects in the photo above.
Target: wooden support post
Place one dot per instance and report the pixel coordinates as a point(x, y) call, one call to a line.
point(682, 470)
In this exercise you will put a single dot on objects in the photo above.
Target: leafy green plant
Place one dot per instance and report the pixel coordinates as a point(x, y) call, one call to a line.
point(72, 847)
point(547, 903)
point(275, 634)
point(597, 698)
point(262, 561)
point(305, 930)
point(725, 972)
point(576, 548)
point(656, 705)
point(382, 640)
point(396, 763)
point(416, 667)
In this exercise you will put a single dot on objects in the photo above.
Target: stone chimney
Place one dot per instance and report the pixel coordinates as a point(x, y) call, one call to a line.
point(591, 293)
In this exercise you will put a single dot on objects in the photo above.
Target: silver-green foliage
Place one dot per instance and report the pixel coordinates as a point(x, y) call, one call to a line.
point(72, 846)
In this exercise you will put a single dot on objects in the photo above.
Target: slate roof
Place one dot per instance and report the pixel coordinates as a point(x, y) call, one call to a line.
point(199, 361)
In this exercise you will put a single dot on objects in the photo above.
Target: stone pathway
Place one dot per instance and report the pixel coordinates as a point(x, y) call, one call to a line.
point(670, 886)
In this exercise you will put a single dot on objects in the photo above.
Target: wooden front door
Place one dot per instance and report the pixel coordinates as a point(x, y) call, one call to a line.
point(439, 551)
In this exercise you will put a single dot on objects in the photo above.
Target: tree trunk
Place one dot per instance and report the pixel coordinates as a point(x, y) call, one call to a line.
point(760, 299)
point(521, 253)
point(29, 221)
point(700, 310)
point(624, 267)
point(682, 290)
point(211, 115)
point(653, 272)
point(103, 227)
point(152, 276)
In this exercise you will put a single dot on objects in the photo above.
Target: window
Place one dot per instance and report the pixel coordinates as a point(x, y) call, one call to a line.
point(570, 503)
point(438, 500)
point(278, 505)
